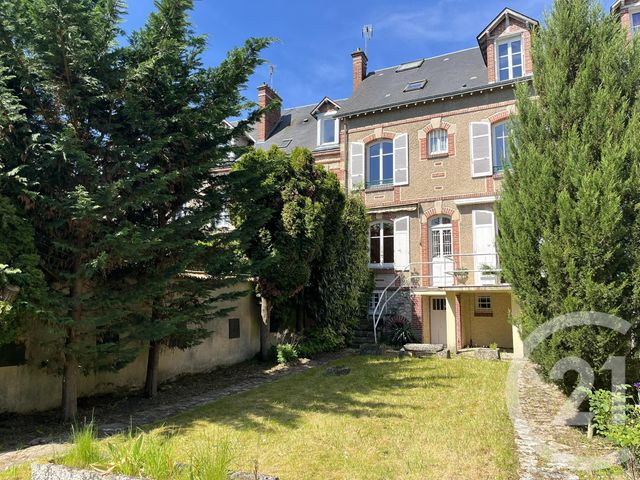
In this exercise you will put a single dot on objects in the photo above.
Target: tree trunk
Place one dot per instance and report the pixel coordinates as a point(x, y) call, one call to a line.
point(265, 324)
point(70, 376)
point(151, 383)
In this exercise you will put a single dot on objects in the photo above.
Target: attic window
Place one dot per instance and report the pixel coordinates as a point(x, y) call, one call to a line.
point(410, 66)
point(285, 143)
point(418, 85)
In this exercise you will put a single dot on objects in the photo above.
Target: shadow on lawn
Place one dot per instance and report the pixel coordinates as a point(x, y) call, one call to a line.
point(357, 395)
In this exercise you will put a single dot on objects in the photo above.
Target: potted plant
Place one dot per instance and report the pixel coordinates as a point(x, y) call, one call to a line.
point(461, 275)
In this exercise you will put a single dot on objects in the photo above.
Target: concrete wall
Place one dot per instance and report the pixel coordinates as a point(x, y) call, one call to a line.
point(25, 389)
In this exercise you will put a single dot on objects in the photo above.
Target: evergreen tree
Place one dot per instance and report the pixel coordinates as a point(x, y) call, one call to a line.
point(278, 205)
point(174, 123)
point(568, 206)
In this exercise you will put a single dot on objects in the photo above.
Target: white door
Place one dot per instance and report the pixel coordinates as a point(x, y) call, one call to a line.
point(484, 247)
point(438, 321)
point(441, 252)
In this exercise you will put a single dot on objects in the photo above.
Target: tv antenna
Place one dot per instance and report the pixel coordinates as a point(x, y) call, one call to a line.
point(367, 33)
point(272, 71)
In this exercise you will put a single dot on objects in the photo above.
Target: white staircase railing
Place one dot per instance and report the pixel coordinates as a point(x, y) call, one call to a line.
point(408, 279)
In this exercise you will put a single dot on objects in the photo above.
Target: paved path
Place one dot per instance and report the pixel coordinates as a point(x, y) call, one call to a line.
point(547, 447)
point(243, 382)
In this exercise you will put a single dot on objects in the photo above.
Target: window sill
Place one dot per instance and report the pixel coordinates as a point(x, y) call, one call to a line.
point(483, 314)
point(379, 188)
point(498, 175)
point(382, 267)
point(436, 156)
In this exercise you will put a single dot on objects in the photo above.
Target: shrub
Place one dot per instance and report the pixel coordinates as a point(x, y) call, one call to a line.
point(400, 331)
point(286, 353)
point(321, 340)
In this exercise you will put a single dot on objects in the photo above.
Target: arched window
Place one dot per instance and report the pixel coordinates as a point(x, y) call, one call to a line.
point(380, 164)
point(438, 142)
point(381, 246)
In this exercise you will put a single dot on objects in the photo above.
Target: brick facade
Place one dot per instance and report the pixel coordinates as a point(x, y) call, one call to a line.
point(359, 68)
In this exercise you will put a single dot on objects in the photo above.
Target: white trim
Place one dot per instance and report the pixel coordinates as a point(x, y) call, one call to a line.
point(381, 265)
point(508, 11)
point(474, 226)
point(320, 128)
point(508, 39)
point(322, 102)
point(476, 200)
point(401, 150)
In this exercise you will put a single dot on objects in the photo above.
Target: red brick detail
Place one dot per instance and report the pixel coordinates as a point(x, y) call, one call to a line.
point(448, 211)
point(268, 96)
point(491, 188)
point(416, 316)
point(424, 154)
point(359, 68)
point(491, 62)
point(373, 137)
point(452, 144)
point(438, 175)
point(499, 117)
point(458, 323)
point(396, 194)
point(528, 61)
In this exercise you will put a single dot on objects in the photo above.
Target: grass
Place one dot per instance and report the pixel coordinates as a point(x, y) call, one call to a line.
point(410, 419)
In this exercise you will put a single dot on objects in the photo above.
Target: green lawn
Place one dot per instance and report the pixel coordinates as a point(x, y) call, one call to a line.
point(388, 419)
point(410, 419)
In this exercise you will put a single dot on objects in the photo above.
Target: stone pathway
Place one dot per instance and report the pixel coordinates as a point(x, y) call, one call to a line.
point(109, 422)
point(547, 447)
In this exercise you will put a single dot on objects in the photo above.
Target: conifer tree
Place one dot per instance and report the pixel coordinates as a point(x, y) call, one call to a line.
point(568, 206)
point(277, 203)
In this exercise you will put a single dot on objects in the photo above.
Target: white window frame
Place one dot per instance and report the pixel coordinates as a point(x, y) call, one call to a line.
point(484, 304)
point(635, 30)
point(381, 240)
point(494, 145)
point(442, 139)
point(509, 41)
point(381, 161)
point(321, 117)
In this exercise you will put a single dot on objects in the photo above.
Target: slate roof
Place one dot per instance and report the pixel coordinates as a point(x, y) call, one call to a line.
point(297, 128)
point(448, 73)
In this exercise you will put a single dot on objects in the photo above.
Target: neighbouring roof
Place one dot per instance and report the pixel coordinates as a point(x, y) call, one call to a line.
point(297, 128)
point(448, 73)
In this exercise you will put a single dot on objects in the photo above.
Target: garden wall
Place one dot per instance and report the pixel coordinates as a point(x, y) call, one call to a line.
point(26, 389)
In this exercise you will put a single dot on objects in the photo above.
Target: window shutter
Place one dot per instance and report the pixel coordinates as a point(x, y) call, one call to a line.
point(481, 164)
point(401, 258)
point(401, 160)
point(357, 165)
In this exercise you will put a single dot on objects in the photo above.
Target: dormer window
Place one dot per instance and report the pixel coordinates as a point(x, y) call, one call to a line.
point(509, 59)
point(327, 129)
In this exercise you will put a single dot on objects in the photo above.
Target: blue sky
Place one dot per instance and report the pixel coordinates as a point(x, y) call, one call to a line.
point(312, 56)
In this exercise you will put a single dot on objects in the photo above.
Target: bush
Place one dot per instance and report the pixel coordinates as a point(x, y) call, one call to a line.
point(286, 353)
point(400, 331)
point(321, 340)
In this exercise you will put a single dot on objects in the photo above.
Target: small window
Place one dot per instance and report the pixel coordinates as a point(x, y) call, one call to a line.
point(439, 304)
point(373, 301)
point(483, 305)
point(418, 85)
point(500, 147)
point(438, 142)
point(410, 66)
point(13, 355)
point(234, 328)
point(509, 59)
point(224, 220)
point(635, 22)
point(327, 130)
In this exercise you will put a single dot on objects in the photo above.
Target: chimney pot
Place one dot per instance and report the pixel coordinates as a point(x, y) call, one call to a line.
point(268, 121)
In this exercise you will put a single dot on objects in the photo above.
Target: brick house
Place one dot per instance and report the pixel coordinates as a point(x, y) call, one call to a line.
point(426, 144)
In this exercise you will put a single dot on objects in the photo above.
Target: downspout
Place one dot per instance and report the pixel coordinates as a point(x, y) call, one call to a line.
point(346, 155)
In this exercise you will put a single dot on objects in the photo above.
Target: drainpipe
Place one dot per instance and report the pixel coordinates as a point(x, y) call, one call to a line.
point(346, 155)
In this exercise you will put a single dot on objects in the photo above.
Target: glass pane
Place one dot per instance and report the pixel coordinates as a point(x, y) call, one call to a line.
point(375, 230)
point(517, 60)
point(503, 49)
point(503, 62)
point(435, 244)
point(387, 169)
point(388, 229)
point(504, 74)
point(635, 20)
point(328, 130)
point(374, 169)
point(388, 249)
point(436, 221)
point(446, 242)
point(516, 47)
point(517, 72)
point(375, 250)
point(387, 148)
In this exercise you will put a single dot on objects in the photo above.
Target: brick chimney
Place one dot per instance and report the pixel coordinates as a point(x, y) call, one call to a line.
point(266, 95)
point(359, 68)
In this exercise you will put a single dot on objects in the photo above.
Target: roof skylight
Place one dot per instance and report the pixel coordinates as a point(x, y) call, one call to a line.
point(418, 85)
point(410, 66)
point(285, 143)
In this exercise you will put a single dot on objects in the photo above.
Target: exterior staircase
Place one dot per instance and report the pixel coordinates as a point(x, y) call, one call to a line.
point(363, 333)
